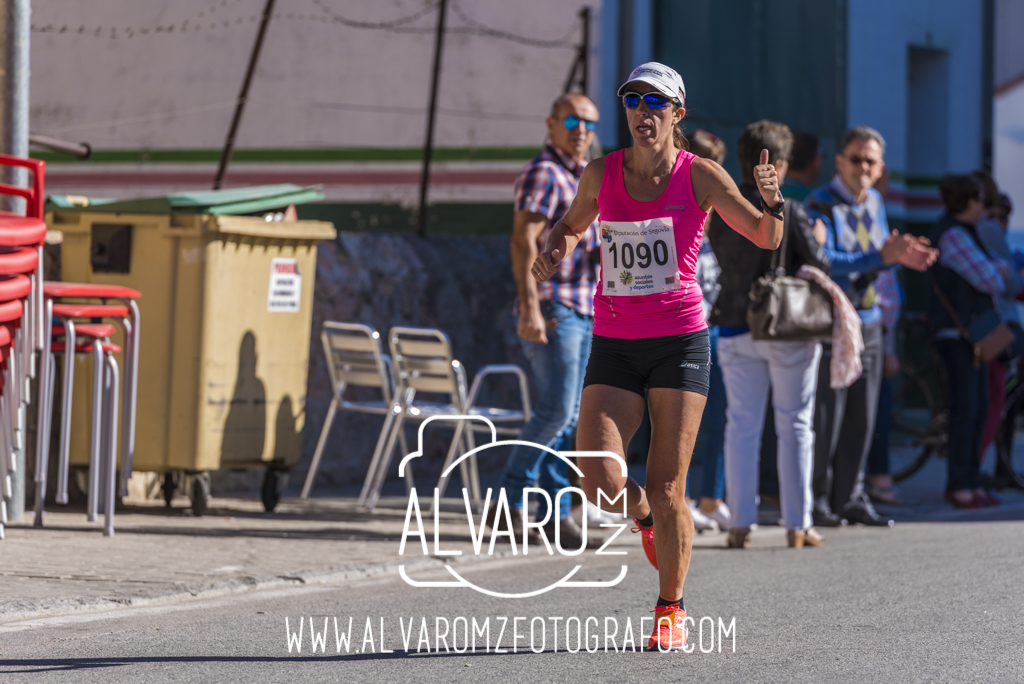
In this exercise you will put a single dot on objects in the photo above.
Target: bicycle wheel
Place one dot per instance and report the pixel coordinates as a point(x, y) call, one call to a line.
point(1012, 410)
point(919, 417)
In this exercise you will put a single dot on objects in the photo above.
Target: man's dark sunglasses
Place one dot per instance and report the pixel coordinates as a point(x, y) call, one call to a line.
point(652, 100)
point(857, 161)
point(572, 122)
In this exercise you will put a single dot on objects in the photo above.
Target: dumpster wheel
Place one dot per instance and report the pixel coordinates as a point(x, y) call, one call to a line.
point(200, 493)
point(274, 482)
point(168, 488)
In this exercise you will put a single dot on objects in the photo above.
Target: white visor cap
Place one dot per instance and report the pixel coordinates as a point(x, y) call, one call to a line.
point(666, 79)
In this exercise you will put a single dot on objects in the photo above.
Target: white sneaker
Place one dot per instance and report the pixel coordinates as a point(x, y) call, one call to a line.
point(701, 522)
point(595, 516)
point(721, 515)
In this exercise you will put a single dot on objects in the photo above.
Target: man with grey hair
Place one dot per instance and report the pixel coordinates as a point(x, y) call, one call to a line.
point(555, 317)
point(860, 246)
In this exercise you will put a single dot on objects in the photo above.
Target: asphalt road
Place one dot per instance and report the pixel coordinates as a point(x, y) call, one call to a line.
point(920, 602)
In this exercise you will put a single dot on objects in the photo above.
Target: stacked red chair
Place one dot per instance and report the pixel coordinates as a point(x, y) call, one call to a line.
point(21, 243)
point(86, 338)
point(28, 319)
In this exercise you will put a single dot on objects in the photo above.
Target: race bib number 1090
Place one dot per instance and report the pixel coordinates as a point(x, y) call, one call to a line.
point(639, 257)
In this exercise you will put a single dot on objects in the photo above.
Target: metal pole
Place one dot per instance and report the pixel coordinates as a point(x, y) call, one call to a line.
point(584, 48)
point(15, 24)
point(229, 144)
point(81, 150)
point(580, 62)
point(428, 147)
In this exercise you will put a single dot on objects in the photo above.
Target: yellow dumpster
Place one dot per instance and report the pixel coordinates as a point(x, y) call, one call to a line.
point(225, 313)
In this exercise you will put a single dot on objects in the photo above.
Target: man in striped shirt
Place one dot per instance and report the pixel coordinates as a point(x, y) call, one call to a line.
point(556, 316)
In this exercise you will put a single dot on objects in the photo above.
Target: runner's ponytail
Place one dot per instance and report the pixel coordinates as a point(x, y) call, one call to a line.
point(678, 139)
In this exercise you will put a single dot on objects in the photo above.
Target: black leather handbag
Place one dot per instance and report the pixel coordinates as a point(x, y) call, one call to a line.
point(786, 308)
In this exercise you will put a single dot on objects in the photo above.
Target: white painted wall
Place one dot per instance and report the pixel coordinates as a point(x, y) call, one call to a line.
point(1008, 151)
point(319, 84)
point(879, 34)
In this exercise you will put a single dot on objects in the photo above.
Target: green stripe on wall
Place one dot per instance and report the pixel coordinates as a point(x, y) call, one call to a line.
point(352, 154)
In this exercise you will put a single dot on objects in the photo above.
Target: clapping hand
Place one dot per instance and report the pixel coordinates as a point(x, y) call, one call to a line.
point(908, 250)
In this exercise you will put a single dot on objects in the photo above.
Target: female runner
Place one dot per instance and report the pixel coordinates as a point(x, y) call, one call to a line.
point(649, 329)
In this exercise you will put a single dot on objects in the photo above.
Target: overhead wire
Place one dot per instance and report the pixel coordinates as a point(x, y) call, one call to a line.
point(206, 20)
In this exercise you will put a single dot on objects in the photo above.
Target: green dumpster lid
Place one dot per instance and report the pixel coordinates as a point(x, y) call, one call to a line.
point(220, 202)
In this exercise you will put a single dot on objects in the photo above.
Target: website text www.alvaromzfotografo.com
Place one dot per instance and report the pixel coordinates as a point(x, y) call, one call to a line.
point(495, 634)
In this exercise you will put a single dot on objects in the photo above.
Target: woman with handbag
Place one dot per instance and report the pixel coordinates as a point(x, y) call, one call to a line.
point(650, 344)
point(751, 366)
point(966, 331)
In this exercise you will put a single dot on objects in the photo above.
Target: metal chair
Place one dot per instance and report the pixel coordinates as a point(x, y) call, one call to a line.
point(424, 364)
point(354, 359)
point(105, 367)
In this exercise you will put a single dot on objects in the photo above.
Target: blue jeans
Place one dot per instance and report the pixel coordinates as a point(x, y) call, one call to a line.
point(558, 369)
point(709, 450)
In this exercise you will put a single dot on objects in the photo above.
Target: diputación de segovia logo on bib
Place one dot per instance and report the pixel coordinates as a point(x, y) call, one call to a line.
point(477, 520)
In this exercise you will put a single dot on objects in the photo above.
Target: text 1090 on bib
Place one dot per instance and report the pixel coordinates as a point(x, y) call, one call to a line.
point(639, 257)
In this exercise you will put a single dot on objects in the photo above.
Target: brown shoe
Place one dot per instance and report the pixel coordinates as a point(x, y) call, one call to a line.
point(738, 538)
point(797, 539)
point(571, 535)
point(518, 521)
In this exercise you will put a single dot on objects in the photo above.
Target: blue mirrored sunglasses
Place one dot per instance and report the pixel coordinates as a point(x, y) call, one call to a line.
point(572, 121)
point(652, 100)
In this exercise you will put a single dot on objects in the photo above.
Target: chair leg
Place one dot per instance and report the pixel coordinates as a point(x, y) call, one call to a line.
point(5, 480)
point(321, 443)
point(385, 461)
point(110, 485)
point(126, 455)
point(474, 473)
point(442, 482)
point(64, 464)
point(382, 439)
point(45, 400)
point(97, 430)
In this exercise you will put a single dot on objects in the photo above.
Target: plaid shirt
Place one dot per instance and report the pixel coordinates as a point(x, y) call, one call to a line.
point(547, 185)
point(958, 251)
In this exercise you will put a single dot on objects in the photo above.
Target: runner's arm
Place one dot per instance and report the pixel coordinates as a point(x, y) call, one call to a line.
point(568, 230)
point(713, 187)
point(526, 228)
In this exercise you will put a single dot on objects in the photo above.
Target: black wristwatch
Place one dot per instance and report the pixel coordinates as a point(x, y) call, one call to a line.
point(776, 211)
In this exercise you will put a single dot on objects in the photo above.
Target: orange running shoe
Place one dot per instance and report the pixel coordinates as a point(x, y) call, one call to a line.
point(670, 631)
point(647, 538)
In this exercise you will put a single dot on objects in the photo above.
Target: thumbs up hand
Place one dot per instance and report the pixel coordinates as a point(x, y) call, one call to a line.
point(767, 180)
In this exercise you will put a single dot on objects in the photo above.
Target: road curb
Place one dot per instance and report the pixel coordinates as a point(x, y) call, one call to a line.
point(64, 605)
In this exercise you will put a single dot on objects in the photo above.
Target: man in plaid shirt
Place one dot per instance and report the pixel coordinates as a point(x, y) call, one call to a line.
point(556, 316)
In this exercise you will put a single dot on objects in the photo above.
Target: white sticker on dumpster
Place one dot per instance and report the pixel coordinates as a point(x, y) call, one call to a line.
point(285, 286)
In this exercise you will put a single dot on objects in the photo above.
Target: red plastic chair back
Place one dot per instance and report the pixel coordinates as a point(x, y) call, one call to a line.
point(34, 196)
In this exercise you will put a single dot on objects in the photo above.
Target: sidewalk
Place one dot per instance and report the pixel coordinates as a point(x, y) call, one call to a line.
point(160, 554)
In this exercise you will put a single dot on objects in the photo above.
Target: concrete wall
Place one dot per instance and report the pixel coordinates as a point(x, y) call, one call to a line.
point(461, 285)
point(163, 74)
point(881, 34)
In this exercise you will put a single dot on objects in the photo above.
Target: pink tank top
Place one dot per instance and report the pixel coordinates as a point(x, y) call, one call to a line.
point(648, 246)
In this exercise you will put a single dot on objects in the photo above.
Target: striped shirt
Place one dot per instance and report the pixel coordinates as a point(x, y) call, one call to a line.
point(547, 185)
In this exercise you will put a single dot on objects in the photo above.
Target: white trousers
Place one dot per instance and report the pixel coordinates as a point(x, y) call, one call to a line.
point(790, 369)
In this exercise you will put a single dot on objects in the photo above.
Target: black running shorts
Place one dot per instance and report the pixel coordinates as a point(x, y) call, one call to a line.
point(681, 362)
